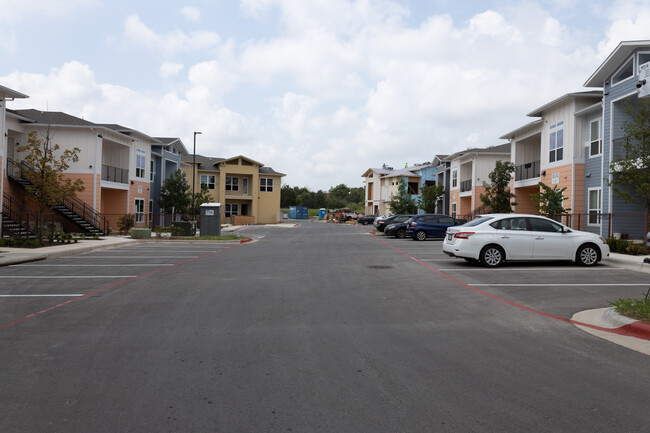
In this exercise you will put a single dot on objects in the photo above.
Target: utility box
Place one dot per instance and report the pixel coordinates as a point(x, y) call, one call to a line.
point(210, 219)
point(322, 212)
point(298, 212)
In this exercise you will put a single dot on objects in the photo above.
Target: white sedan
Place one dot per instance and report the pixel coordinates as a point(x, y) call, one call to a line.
point(492, 239)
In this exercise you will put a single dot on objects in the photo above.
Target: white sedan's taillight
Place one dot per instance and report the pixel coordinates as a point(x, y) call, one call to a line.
point(463, 235)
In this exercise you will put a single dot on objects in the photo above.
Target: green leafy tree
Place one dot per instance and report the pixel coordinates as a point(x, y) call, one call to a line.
point(44, 167)
point(550, 200)
point(176, 193)
point(497, 193)
point(338, 196)
point(201, 197)
point(429, 197)
point(630, 167)
point(402, 202)
point(288, 196)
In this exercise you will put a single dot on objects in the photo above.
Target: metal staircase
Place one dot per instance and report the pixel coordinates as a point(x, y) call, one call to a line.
point(16, 219)
point(73, 209)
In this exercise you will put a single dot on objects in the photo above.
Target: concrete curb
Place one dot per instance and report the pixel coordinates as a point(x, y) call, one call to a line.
point(608, 320)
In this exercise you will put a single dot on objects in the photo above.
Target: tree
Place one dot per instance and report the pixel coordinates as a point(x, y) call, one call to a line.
point(44, 167)
point(429, 197)
point(402, 202)
point(288, 196)
point(201, 197)
point(497, 194)
point(338, 196)
point(175, 193)
point(549, 200)
point(630, 168)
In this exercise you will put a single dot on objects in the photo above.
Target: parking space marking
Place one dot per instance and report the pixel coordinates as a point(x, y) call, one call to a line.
point(125, 280)
point(41, 296)
point(128, 257)
point(472, 287)
point(560, 284)
point(89, 266)
point(43, 277)
point(463, 269)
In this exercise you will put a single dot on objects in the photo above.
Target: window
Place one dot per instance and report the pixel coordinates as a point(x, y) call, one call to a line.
point(152, 171)
point(643, 58)
point(266, 184)
point(454, 178)
point(232, 209)
point(540, 225)
point(140, 162)
point(453, 210)
point(445, 220)
point(593, 206)
point(626, 71)
point(232, 183)
point(150, 213)
point(556, 142)
point(208, 180)
point(139, 210)
point(511, 224)
point(244, 185)
point(595, 143)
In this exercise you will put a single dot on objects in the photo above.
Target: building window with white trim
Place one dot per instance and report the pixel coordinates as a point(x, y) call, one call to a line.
point(266, 184)
point(140, 162)
point(556, 142)
point(454, 178)
point(626, 72)
point(232, 209)
point(595, 143)
point(232, 183)
point(139, 210)
point(209, 180)
point(594, 206)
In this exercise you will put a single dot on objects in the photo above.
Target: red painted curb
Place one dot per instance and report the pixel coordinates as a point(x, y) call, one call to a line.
point(243, 241)
point(637, 329)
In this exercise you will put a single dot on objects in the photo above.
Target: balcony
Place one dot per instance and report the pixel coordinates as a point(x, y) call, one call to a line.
point(115, 174)
point(466, 185)
point(529, 170)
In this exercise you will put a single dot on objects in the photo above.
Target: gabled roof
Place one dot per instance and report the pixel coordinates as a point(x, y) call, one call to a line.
point(53, 118)
point(7, 93)
point(402, 172)
point(243, 157)
point(527, 127)
point(175, 141)
point(613, 61)
point(126, 131)
point(499, 149)
point(380, 171)
point(593, 94)
point(212, 164)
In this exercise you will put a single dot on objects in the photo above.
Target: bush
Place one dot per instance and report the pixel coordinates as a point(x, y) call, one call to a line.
point(638, 309)
point(126, 223)
point(624, 246)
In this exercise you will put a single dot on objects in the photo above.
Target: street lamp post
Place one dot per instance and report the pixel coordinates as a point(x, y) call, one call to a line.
point(194, 172)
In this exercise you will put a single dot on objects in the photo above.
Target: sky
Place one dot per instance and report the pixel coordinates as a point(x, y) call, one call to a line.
point(320, 90)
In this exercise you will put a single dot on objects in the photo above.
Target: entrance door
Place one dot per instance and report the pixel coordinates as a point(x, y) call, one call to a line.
point(245, 186)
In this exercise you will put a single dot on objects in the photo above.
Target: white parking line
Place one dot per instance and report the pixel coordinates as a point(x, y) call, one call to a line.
point(89, 266)
point(560, 284)
point(128, 257)
point(49, 277)
point(463, 269)
point(41, 296)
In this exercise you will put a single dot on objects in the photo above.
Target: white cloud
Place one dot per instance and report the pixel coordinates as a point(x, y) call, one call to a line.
point(15, 10)
point(176, 41)
point(630, 20)
point(170, 69)
point(191, 13)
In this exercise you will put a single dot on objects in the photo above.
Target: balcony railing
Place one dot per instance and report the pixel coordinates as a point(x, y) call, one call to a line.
point(528, 170)
point(115, 174)
point(466, 185)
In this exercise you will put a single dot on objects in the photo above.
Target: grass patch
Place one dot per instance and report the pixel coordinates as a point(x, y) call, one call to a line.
point(634, 308)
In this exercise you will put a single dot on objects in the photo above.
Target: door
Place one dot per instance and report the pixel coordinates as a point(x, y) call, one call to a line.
point(245, 186)
point(515, 238)
point(549, 240)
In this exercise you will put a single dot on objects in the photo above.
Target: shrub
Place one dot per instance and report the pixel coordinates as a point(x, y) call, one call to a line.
point(126, 223)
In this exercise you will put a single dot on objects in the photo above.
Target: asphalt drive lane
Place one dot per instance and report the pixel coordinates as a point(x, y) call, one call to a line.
point(317, 328)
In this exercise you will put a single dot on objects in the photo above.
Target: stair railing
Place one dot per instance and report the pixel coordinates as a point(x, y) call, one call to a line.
point(19, 213)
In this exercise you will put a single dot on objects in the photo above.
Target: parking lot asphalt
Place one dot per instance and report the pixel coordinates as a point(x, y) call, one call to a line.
point(314, 329)
point(554, 277)
point(561, 287)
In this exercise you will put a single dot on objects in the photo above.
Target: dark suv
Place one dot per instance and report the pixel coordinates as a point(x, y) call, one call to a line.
point(366, 219)
point(425, 226)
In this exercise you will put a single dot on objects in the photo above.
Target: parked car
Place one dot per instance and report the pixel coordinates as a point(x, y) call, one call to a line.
point(381, 223)
point(421, 227)
point(381, 218)
point(366, 219)
point(397, 230)
point(496, 238)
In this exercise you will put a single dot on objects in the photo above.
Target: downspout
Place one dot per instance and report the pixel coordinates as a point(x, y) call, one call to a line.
point(3, 150)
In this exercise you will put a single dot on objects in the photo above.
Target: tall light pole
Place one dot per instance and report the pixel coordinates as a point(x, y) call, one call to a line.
point(194, 172)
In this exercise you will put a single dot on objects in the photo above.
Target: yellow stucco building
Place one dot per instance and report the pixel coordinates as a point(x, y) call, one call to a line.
point(248, 191)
